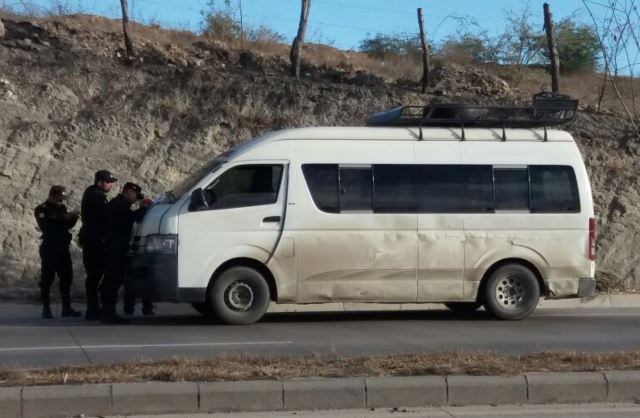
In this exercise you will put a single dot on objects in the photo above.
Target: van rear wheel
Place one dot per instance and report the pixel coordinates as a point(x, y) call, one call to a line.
point(239, 296)
point(512, 292)
point(463, 307)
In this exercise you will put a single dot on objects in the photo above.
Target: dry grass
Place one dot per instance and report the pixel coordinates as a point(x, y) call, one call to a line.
point(235, 368)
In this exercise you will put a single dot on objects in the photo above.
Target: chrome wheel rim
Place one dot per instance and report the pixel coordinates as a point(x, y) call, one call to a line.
point(511, 292)
point(239, 296)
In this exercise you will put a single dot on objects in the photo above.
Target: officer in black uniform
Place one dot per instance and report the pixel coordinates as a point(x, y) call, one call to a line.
point(120, 220)
point(55, 222)
point(92, 236)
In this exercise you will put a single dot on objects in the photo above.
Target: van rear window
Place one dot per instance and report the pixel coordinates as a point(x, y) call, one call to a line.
point(553, 189)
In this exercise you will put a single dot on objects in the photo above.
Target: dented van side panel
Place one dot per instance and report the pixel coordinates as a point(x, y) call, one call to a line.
point(360, 256)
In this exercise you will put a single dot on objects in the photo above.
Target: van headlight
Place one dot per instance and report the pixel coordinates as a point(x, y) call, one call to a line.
point(161, 244)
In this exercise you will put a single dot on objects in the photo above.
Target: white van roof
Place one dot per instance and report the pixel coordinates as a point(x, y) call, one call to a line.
point(403, 134)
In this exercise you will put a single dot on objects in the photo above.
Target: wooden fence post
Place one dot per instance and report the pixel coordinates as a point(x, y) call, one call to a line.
point(125, 29)
point(553, 51)
point(425, 52)
point(299, 39)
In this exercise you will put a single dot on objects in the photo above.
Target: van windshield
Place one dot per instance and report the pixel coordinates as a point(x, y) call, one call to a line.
point(185, 185)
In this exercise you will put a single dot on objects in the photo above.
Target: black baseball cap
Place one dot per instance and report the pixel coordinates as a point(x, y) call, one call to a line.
point(105, 175)
point(135, 188)
point(57, 190)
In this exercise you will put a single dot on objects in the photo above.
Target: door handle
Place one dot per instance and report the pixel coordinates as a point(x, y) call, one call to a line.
point(271, 219)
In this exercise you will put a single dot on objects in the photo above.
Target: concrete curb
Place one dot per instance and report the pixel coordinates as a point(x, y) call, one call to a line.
point(316, 394)
point(601, 300)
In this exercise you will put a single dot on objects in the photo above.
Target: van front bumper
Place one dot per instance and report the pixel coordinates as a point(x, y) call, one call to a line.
point(155, 277)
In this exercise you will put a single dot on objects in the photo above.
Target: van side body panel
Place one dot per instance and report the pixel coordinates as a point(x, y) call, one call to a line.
point(359, 256)
point(556, 244)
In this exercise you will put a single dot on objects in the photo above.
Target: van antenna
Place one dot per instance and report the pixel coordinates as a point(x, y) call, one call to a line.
point(546, 138)
point(504, 134)
point(463, 136)
point(420, 130)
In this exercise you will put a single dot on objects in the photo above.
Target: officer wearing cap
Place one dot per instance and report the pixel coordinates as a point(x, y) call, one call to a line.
point(119, 225)
point(55, 222)
point(92, 236)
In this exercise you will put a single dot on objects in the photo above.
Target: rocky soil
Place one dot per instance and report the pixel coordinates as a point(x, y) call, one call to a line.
point(70, 103)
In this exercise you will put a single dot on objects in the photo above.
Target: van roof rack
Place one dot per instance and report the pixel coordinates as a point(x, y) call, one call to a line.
point(546, 109)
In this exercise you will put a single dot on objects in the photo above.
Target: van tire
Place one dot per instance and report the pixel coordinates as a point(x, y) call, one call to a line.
point(511, 292)
point(463, 307)
point(239, 296)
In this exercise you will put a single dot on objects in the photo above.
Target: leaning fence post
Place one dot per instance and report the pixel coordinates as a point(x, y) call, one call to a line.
point(425, 52)
point(553, 51)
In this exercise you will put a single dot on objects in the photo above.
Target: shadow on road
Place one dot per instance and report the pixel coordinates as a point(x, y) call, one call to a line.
point(182, 319)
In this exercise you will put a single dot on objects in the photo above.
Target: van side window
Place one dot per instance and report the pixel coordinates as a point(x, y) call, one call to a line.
point(511, 188)
point(440, 189)
point(322, 180)
point(394, 188)
point(554, 189)
point(356, 188)
point(246, 185)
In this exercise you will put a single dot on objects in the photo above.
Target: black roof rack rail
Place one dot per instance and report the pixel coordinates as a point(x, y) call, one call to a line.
point(546, 109)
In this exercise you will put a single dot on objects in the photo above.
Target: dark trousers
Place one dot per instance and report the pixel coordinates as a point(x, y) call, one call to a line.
point(115, 269)
point(55, 259)
point(93, 260)
point(130, 303)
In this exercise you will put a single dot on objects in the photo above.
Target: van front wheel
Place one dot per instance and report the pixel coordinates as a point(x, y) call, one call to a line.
point(511, 292)
point(239, 296)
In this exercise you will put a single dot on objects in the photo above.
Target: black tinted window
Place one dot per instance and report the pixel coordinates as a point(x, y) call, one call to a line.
point(439, 188)
point(322, 180)
point(554, 189)
point(394, 188)
point(248, 185)
point(479, 193)
point(356, 188)
point(511, 188)
point(454, 188)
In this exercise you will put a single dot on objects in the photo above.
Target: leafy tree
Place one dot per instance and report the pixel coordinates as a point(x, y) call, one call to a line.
point(384, 46)
point(578, 47)
point(478, 48)
point(219, 21)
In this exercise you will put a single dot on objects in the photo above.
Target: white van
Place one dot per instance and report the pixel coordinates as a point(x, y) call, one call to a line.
point(467, 217)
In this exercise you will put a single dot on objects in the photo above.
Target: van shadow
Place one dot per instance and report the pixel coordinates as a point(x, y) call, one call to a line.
point(196, 320)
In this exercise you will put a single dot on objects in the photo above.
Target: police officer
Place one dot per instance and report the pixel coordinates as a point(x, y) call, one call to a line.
point(120, 220)
point(55, 222)
point(92, 235)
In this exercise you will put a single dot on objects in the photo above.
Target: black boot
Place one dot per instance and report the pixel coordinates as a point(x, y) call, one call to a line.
point(46, 306)
point(46, 312)
point(68, 311)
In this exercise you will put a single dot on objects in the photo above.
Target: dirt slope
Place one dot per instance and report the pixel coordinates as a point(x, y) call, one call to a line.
point(70, 104)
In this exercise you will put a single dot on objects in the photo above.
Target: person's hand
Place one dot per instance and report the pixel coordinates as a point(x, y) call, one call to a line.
point(147, 202)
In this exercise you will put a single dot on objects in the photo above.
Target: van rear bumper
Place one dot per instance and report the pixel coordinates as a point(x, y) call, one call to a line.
point(586, 287)
point(155, 277)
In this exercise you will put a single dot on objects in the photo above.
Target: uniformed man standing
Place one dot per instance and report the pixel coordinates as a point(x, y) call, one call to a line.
point(92, 236)
point(55, 222)
point(120, 220)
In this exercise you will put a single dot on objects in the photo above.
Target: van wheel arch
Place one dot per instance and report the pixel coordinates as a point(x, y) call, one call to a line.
point(498, 264)
point(251, 263)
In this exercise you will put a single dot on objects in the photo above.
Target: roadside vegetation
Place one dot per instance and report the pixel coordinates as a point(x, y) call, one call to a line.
point(238, 368)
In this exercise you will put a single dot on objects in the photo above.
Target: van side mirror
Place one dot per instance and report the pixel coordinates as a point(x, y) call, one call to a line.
point(198, 200)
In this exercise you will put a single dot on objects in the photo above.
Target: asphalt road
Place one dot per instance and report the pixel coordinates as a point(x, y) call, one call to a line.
point(28, 341)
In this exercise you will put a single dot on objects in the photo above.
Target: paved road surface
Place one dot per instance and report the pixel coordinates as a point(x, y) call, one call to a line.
point(27, 340)
point(544, 411)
